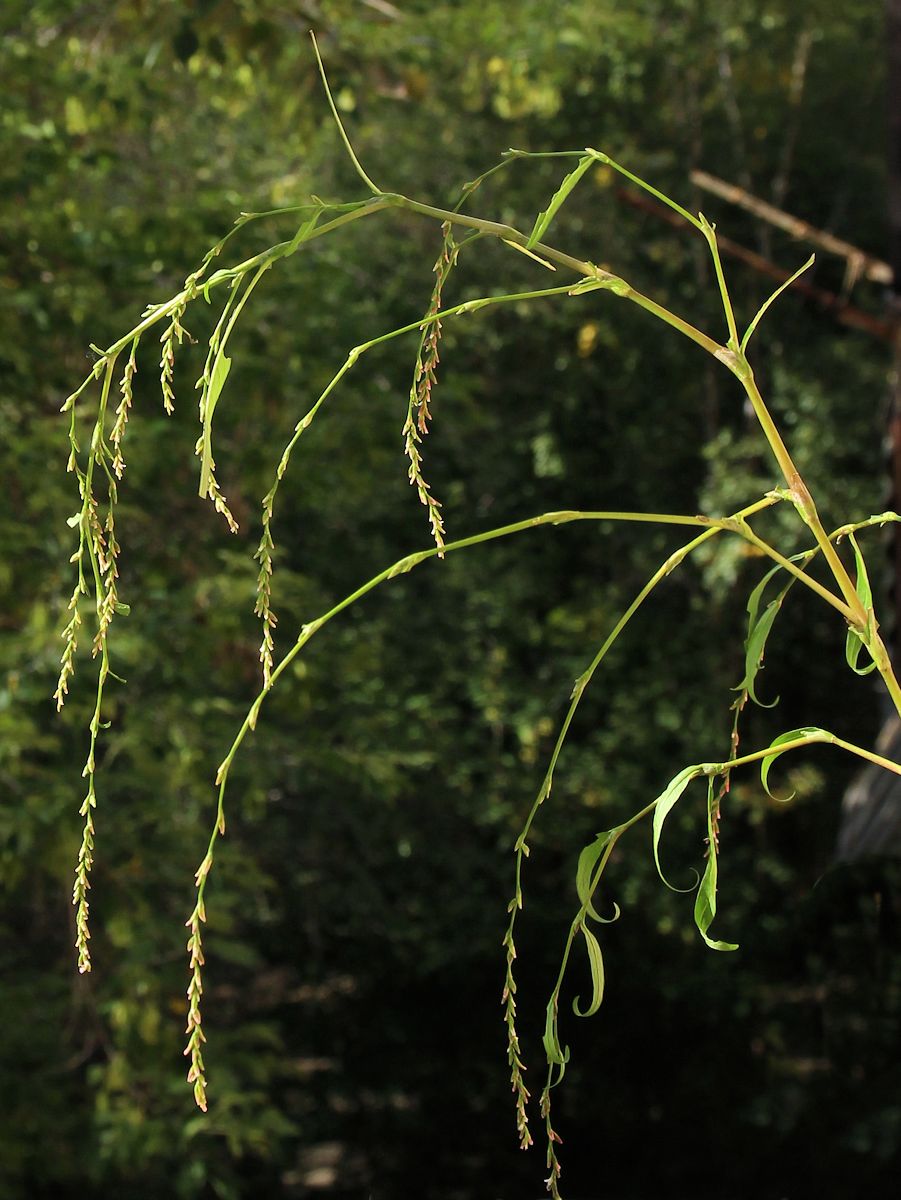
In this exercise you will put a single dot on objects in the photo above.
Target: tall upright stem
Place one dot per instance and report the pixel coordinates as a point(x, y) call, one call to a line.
point(807, 509)
point(798, 491)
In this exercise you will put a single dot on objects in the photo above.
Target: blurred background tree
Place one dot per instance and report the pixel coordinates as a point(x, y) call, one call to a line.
point(354, 957)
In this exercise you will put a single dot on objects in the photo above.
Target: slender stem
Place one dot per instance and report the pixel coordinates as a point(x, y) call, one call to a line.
point(227, 275)
point(585, 678)
point(647, 187)
point(345, 139)
point(206, 407)
point(512, 153)
point(593, 885)
point(422, 323)
point(879, 519)
point(812, 739)
point(710, 234)
point(876, 646)
point(521, 847)
point(406, 564)
point(711, 769)
point(796, 571)
point(733, 357)
point(869, 755)
point(581, 267)
point(674, 321)
point(587, 270)
point(801, 497)
point(798, 491)
point(403, 565)
point(363, 208)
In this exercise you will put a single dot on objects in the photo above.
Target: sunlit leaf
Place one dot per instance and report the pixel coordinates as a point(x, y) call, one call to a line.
point(544, 218)
point(853, 642)
point(528, 253)
point(305, 230)
point(218, 376)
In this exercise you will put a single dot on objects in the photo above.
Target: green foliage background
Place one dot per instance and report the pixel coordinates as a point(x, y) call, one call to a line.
point(354, 959)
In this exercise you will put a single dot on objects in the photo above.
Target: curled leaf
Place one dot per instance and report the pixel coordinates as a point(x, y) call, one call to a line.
point(854, 642)
point(588, 860)
point(810, 732)
point(759, 627)
point(554, 1052)
point(664, 803)
point(705, 903)
point(596, 961)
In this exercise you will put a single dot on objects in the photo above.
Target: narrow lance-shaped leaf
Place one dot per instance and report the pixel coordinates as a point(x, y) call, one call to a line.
point(853, 642)
point(754, 651)
point(596, 961)
point(528, 253)
point(766, 304)
point(218, 376)
point(544, 218)
point(793, 735)
point(705, 903)
point(553, 1050)
point(664, 803)
point(759, 627)
point(588, 859)
point(305, 230)
point(753, 605)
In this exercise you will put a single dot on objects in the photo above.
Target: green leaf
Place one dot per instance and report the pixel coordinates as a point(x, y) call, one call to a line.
point(853, 647)
point(305, 230)
point(759, 627)
point(587, 861)
point(806, 731)
point(753, 605)
point(705, 903)
point(766, 304)
point(854, 642)
point(596, 960)
point(664, 804)
point(554, 1052)
point(544, 218)
point(218, 376)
